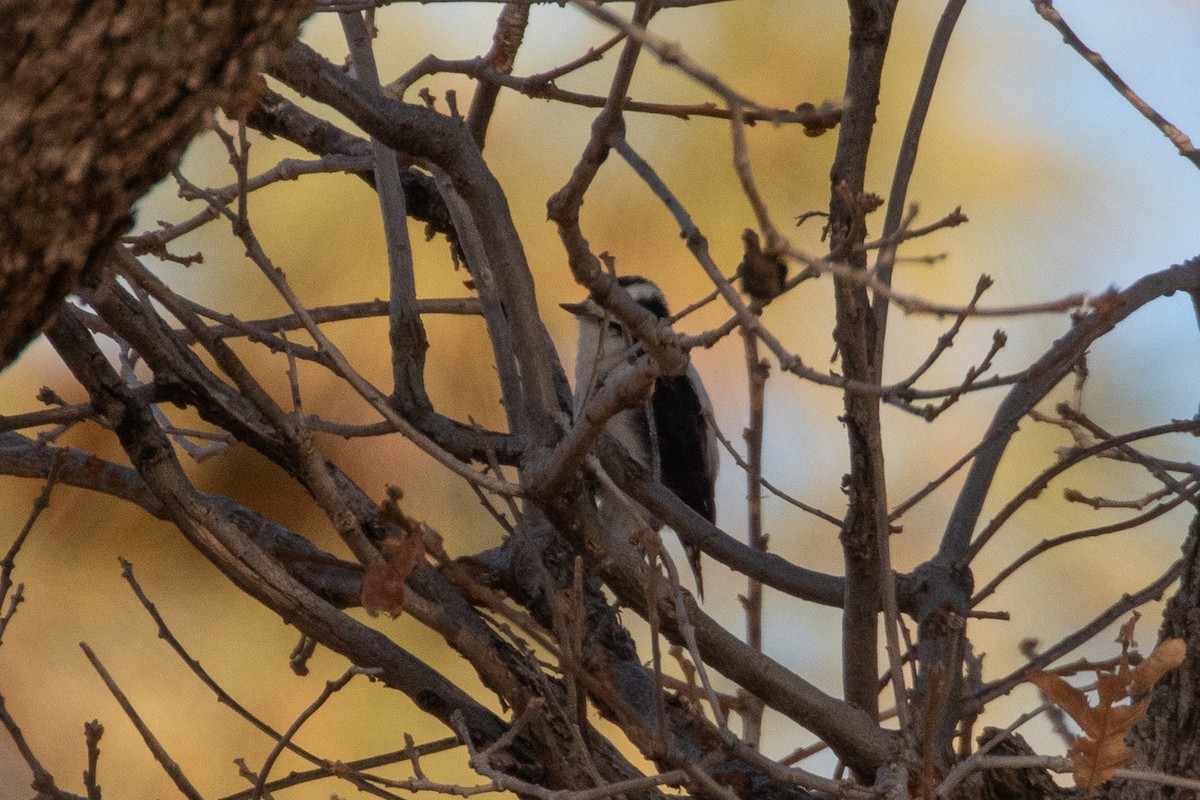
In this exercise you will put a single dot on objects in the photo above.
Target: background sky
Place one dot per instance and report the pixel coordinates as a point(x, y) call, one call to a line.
point(1067, 187)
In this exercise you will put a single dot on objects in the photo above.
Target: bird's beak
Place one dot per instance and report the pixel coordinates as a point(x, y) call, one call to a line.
point(578, 309)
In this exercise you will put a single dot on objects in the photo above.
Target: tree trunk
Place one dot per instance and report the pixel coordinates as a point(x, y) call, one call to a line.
point(98, 102)
point(1168, 739)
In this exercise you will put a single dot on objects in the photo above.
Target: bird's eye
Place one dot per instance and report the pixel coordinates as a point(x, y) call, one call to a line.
point(615, 327)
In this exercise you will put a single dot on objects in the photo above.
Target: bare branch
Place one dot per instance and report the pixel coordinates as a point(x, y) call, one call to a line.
point(1049, 544)
point(1127, 603)
point(1035, 487)
point(223, 697)
point(92, 731)
point(160, 754)
point(43, 781)
point(1045, 374)
point(752, 603)
point(406, 333)
point(906, 162)
point(1046, 9)
point(285, 741)
point(9, 562)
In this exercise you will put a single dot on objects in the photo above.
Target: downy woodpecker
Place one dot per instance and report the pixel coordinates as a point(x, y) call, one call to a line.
point(670, 435)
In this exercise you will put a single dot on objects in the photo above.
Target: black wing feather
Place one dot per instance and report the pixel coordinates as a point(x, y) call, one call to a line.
point(682, 432)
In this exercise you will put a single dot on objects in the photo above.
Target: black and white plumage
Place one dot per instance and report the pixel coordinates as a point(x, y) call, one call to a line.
point(671, 435)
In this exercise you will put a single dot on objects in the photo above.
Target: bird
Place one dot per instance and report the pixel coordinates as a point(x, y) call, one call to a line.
point(671, 435)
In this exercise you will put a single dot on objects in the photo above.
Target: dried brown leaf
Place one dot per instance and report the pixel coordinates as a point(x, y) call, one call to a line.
point(1169, 654)
point(383, 584)
point(1116, 721)
point(1093, 762)
point(1066, 697)
point(1111, 687)
point(1102, 749)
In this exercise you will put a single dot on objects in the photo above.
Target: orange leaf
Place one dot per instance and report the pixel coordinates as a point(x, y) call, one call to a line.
point(1116, 721)
point(1095, 762)
point(1099, 723)
point(1097, 754)
point(1066, 697)
point(1111, 687)
point(383, 584)
point(1169, 654)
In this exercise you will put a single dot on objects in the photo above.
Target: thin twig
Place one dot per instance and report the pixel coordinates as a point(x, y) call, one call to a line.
point(901, 509)
point(335, 313)
point(1046, 9)
point(770, 487)
point(1035, 487)
point(1045, 545)
point(43, 781)
point(92, 731)
point(331, 688)
point(289, 169)
point(223, 697)
point(1127, 603)
point(672, 54)
point(371, 762)
point(169, 765)
point(1159, 468)
point(9, 562)
point(906, 162)
point(946, 340)
point(541, 86)
point(757, 371)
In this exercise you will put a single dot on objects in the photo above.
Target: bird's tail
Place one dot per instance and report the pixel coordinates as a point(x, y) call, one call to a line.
point(693, 557)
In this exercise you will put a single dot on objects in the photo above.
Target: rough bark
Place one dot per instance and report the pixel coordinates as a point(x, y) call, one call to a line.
point(98, 103)
point(1168, 739)
point(866, 512)
point(1012, 784)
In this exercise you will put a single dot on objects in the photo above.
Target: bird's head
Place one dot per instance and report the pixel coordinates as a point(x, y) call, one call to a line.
point(644, 292)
